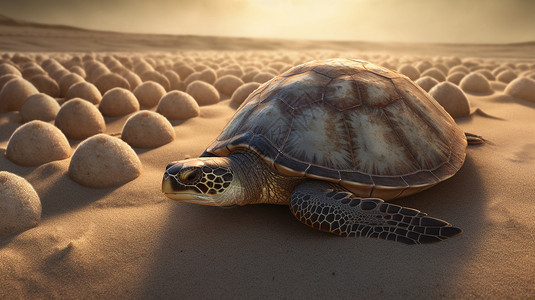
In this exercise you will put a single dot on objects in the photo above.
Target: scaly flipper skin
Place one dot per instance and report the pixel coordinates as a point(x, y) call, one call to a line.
point(320, 206)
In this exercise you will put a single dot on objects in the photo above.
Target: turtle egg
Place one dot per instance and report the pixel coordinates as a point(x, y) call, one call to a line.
point(14, 93)
point(204, 93)
point(149, 93)
point(178, 105)
point(118, 102)
point(36, 143)
point(103, 161)
point(475, 83)
point(84, 90)
point(147, 129)
point(451, 98)
point(20, 206)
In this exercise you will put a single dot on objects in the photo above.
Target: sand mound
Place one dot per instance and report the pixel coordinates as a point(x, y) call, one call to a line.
point(475, 83)
point(241, 93)
point(460, 68)
point(29, 72)
point(59, 74)
point(78, 70)
point(178, 105)
point(36, 143)
point(20, 206)
point(434, 73)
point(5, 78)
point(208, 75)
point(147, 129)
point(423, 65)
point(103, 161)
point(248, 77)
point(79, 119)
point(133, 79)
point(183, 70)
point(191, 78)
point(452, 61)
point(426, 82)
point(84, 90)
point(109, 81)
point(227, 84)
point(143, 67)
point(204, 93)
point(95, 73)
point(149, 93)
point(455, 77)
point(9, 69)
point(174, 79)
point(45, 84)
point(39, 107)
point(51, 65)
point(279, 66)
point(14, 93)
point(118, 102)
point(156, 77)
point(67, 81)
point(506, 76)
point(235, 70)
point(521, 88)
point(486, 73)
point(262, 77)
point(499, 69)
point(442, 68)
point(409, 71)
point(451, 98)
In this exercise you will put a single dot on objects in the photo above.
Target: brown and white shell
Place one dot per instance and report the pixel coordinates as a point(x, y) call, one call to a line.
point(350, 122)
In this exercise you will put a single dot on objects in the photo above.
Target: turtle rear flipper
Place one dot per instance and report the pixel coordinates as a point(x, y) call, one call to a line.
point(321, 207)
point(474, 139)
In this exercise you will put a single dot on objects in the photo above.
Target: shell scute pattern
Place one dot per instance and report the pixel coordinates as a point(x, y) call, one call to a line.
point(299, 90)
point(374, 147)
point(271, 121)
point(342, 93)
point(348, 122)
point(306, 139)
point(375, 90)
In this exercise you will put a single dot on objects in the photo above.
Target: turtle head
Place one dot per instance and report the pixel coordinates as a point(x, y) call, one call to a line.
point(205, 180)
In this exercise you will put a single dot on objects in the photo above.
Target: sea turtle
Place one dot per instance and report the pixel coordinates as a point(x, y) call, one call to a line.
point(329, 138)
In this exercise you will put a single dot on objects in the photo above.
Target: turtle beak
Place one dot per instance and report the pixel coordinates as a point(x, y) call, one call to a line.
point(171, 186)
point(176, 190)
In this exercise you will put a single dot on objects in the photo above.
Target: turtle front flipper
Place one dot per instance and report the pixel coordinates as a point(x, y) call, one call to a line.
point(320, 206)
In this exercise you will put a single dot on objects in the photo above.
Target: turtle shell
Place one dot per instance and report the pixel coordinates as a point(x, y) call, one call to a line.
point(367, 128)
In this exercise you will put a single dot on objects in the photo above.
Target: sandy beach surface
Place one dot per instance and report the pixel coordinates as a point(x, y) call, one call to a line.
point(130, 241)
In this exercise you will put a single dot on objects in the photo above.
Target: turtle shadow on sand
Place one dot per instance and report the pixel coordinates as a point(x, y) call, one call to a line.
point(229, 246)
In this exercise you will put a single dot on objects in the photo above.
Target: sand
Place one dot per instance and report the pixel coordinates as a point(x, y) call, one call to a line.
point(130, 241)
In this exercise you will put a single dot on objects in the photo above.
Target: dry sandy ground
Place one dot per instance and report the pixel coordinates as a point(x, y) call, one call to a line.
point(132, 242)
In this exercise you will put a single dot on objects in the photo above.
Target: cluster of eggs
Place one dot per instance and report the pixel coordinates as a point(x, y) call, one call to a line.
point(66, 99)
point(62, 97)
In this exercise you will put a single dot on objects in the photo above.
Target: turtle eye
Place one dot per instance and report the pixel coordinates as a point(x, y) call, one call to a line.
point(190, 175)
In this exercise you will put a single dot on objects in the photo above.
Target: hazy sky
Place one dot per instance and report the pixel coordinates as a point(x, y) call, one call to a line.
point(465, 21)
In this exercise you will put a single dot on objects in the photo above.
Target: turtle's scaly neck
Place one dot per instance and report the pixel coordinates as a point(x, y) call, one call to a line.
point(260, 182)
